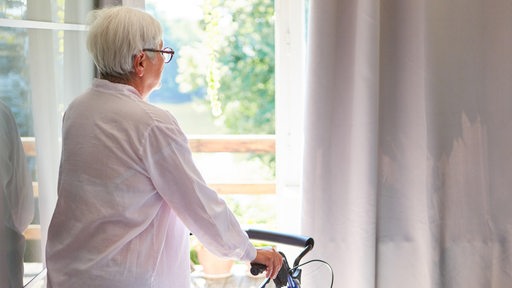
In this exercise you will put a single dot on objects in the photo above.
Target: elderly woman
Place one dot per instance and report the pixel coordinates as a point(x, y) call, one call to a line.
point(128, 191)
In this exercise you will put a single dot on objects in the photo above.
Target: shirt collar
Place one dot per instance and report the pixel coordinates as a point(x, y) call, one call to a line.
point(108, 86)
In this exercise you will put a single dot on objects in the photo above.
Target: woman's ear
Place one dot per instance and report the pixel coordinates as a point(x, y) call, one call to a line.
point(139, 64)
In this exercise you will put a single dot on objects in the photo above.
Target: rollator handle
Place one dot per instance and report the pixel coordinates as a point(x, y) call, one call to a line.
point(278, 237)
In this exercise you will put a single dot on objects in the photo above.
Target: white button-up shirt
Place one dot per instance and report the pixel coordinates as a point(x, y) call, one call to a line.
point(128, 194)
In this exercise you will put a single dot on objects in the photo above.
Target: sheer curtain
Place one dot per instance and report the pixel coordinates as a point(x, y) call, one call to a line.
point(60, 69)
point(408, 142)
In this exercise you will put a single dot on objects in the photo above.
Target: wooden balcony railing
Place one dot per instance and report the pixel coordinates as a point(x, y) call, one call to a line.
point(198, 144)
point(204, 144)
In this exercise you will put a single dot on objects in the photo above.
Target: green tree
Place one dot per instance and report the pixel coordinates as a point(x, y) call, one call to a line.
point(14, 87)
point(234, 63)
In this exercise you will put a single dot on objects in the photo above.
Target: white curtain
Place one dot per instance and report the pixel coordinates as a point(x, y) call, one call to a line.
point(57, 74)
point(408, 143)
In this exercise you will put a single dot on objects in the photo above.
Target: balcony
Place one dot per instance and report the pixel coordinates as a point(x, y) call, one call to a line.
point(198, 144)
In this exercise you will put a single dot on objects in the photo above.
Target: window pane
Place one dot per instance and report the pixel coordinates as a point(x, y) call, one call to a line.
point(13, 9)
point(221, 81)
point(60, 11)
point(14, 82)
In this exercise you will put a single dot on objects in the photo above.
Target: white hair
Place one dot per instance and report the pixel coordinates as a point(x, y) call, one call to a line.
point(116, 34)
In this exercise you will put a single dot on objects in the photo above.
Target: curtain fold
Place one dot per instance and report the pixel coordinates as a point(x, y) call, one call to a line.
point(407, 154)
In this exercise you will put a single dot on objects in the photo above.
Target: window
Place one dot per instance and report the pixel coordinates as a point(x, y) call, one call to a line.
point(239, 65)
point(44, 65)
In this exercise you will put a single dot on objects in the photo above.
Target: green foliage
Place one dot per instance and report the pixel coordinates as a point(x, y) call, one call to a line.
point(193, 256)
point(14, 86)
point(248, 86)
point(238, 51)
point(252, 211)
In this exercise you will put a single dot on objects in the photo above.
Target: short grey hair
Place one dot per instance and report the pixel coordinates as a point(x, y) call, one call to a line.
point(116, 34)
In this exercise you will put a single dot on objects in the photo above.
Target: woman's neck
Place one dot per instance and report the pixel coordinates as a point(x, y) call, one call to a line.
point(135, 84)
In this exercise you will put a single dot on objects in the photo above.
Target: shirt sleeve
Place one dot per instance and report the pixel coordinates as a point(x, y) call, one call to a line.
point(169, 162)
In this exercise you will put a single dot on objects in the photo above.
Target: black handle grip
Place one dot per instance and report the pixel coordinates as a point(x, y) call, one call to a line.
point(281, 279)
point(257, 268)
point(278, 237)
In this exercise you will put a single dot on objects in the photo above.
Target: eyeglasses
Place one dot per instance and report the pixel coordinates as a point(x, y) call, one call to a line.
point(167, 52)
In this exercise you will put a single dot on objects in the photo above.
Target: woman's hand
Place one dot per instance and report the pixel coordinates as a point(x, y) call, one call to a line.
point(270, 258)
